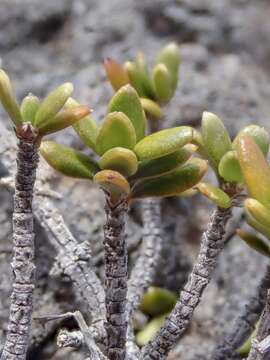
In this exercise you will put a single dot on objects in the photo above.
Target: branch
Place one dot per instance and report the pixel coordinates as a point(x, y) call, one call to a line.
point(142, 275)
point(23, 265)
point(179, 319)
point(260, 346)
point(245, 324)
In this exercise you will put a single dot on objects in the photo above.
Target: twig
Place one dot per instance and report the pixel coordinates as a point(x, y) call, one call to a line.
point(115, 252)
point(23, 266)
point(245, 324)
point(94, 351)
point(258, 349)
point(143, 273)
point(179, 319)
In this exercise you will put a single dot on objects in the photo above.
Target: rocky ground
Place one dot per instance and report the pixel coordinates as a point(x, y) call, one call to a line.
point(225, 69)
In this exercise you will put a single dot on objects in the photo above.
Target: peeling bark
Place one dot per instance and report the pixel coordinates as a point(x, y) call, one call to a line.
point(245, 324)
point(23, 265)
point(116, 279)
point(179, 319)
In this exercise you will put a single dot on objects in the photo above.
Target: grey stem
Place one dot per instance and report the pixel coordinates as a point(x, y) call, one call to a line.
point(262, 333)
point(23, 265)
point(143, 273)
point(116, 279)
point(179, 319)
point(245, 324)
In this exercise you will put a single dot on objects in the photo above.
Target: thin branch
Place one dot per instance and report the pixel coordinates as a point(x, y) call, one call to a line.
point(245, 324)
point(179, 319)
point(259, 349)
point(23, 265)
point(115, 252)
point(142, 275)
point(94, 351)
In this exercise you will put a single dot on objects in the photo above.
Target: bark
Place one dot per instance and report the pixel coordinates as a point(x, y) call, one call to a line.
point(179, 319)
point(257, 352)
point(116, 279)
point(245, 324)
point(143, 273)
point(23, 265)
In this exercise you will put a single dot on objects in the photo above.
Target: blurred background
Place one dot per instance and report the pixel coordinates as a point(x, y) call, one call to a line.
point(225, 46)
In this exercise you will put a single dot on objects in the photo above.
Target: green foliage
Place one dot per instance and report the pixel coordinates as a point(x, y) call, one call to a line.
point(152, 108)
point(116, 130)
point(119, 159)
point(126, 100)
point(8, 99)
point(219, 197)
point(149, 331)
point(29, 108)
point(158, 301)
point(229, 168)
point(116, 73)
point(255, 242)
point(162, 83)
point(258, 134)
point(163, 142)
point(68, 161)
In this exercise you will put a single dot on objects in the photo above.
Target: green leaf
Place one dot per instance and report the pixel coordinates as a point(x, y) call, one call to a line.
point(126, 100)
point(146, 81)
point(68, 161)
point(119, 159)
point(152, 108)
point(86, 128)
point(8, 99)
point(171, 184)
point(53, 103)
point(255, 169)
point(29, 108)
point(149, 331)
point(115, 131)
point(170, 56)
point(162, 83)
point(219, 197)
point(158, 301)
point(229, 168)
point(116, 73)
point(162, 165)
point(134, 77)
point(259, 212)
point(163, 142)
point(254, 241)
point(258, 134)
point(215, 138)
point(63, 119)
point(113, 183)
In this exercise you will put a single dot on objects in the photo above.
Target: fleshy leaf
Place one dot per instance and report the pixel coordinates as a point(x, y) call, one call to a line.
point(158, 301)
point(113, 183)
point(162, 83)
point(152, 108)
point(116, 73)
point(68, 161)
point(29, 108)
point(119, 159)
point(171, 184)
point(115, 131)
point(63, 119)
point(134, 77)
point(229, 168)
point(258, 211)
point(215, 138)
point(53, 103)
point(126, 100)
point(144, 75)
point(258, 134)
point(149, 331)
point(256, 224)
point(170, 56)
point(86, 128)
point(163, 142)
point(8, 99)
point(162, 165)
point(219, 197)
point(255, 169)
point(254, 241)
